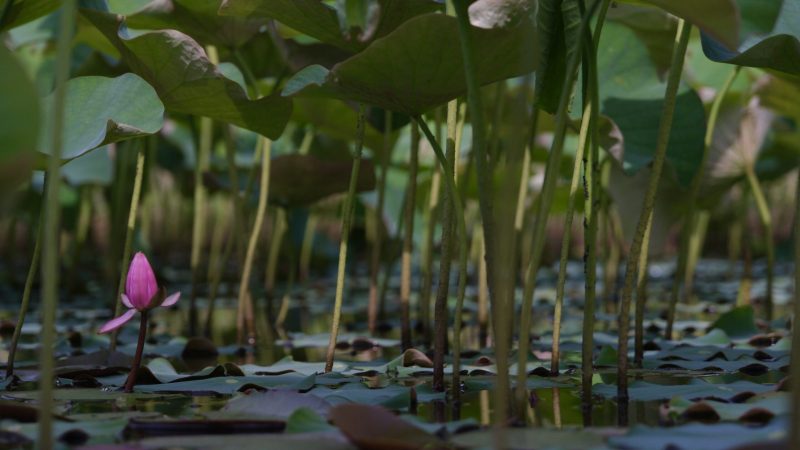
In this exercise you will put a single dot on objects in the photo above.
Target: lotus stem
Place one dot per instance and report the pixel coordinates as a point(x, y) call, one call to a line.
point(52, 217)
point(427, 250)
point(681, 270)
point(665, 126)
point(641, 298)
point(460, 223)
point(583, 143)
point(375, 262)
point(766, 221)
point(794, 431)
point(137, 358)
point(33, 270)
point(129, 232)
point(408, 240)
point(244, 316)
point(545, 201)
point(347, 217)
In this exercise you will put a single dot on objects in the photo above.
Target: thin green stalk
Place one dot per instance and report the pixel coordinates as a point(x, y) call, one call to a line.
point(593, 194)
point(278, 232)
point(696, 242)
point(583, 143)
point(129, 232)
point(694, 190)
point(460, 222)
point(237, 230)
point(245, 323)
point(347, 217)
point(199, 221)
point(81, 231)
point(641, 297)
point(440, 319)
point(408, 240)
point(33, 270)
point(543, 210)
point(427, 258)
point(308, 245)
point(766, 221)
point(665, 126)
point(794, 430)
point(479, 147)
point(52, 217)
point(375, 262)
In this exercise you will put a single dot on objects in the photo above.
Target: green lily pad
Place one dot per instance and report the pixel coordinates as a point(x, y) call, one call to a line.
point(710, 437)
point(695, 389)
point(102, 110)
point(737, 323)
point(770, 37)
point(274, 404)
point(187, 82)
point(399, 72)
point(758, 409)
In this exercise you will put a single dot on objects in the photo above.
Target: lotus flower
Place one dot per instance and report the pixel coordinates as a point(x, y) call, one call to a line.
point(141, 293)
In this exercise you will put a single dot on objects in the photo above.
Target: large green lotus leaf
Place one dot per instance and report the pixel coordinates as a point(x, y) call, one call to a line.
point(695, 389)
point(230, 385)
point(198, 19)
point(102, 110)
point(187, 82)
point(708, 437)
point(335, 119)
point(717, 18)
point(632, 95)
point(19, 121)
point(24, 11)
point(419, 65)
point(297, 180)
point(320, 21)
point(770, 37)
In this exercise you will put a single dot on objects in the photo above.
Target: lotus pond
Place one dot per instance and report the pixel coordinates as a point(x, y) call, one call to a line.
point(399, 224)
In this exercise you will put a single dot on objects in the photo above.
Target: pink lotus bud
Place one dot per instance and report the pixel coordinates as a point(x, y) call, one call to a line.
point(140, 287)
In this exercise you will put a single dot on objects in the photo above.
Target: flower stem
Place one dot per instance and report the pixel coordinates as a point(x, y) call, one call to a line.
point(408, 240)
point(632, 264)
point(126, 250)
point(347, 217)
point(137, 358)
point(51, 228)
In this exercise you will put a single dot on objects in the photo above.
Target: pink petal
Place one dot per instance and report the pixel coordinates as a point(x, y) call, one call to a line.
point(141, 284)
point(126, 301)
point(172, 299)
point(117, 322)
